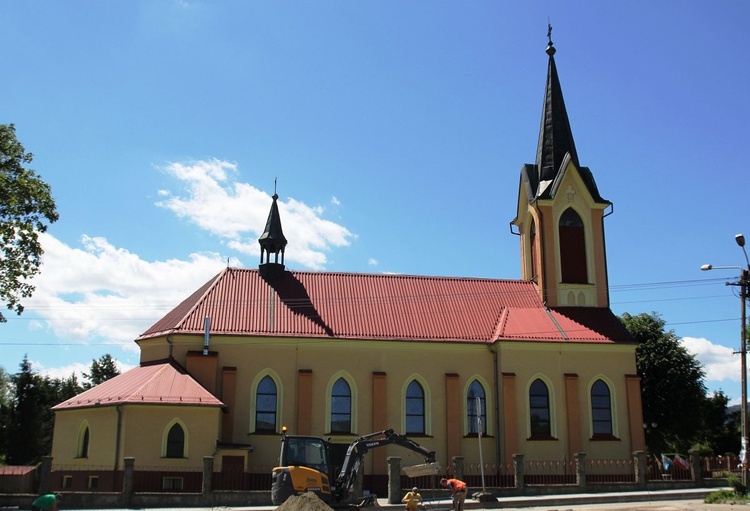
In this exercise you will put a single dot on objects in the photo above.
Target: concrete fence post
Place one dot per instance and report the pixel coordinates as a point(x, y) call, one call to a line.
point(696, 468)
point(640, 468)
point(518, 472)
point(581, 470)
point(394, 479)
point(458, 467)
point(127, 480)
point(208, 476)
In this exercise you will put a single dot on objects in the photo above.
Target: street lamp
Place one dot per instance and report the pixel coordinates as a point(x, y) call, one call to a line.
point(744, 282)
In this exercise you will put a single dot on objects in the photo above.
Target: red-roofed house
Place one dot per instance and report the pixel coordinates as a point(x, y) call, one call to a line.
point(542, 361)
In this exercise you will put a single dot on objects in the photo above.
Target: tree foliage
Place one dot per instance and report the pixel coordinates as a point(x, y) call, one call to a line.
point(672, 390)
point(26, 207)
point(26, 401)
point(101, 370)
point(30, 418)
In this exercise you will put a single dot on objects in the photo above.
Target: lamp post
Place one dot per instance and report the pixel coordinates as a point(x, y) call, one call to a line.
point(744, 282)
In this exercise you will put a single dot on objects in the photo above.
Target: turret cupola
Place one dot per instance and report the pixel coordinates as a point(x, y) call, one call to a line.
point(560, 212)
point(272, 241)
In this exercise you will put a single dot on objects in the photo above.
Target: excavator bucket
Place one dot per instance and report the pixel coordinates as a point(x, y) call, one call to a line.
point(425, 469)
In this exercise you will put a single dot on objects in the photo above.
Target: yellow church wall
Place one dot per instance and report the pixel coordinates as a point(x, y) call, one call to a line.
point(102, 424)
point(551, 362)
point(148, 444)
point(323, 361)
point(356, 361)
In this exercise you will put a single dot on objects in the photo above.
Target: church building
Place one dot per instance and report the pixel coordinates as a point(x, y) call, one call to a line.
point(542, 362)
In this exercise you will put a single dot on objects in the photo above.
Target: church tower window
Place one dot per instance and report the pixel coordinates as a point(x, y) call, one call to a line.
point(572, 248)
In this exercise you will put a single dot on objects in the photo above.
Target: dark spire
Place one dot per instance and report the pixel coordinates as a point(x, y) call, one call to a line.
point(272, 241)
point(555, 136)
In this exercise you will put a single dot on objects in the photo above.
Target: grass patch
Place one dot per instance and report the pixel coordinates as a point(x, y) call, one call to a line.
point(727, 497)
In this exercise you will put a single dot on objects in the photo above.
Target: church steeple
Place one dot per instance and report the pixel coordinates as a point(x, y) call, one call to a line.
point(272, 241)
point(560, 214)
point(555, 135)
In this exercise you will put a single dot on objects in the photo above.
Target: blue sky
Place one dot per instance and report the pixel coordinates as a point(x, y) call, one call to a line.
point(396, 130)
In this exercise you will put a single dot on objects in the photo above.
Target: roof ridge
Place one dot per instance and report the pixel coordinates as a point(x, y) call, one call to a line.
point(202, 298)
point(161, 368)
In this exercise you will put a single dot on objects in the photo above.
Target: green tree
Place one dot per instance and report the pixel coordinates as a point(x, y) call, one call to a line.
point(720, 429)
point(100, 371)
point(672, 390)
point(26, 206)
point(6, 391)
point(31, 419)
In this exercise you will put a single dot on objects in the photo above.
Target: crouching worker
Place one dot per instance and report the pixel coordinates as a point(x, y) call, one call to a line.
point(413, 500)
point(47, 502)
point(458, 489)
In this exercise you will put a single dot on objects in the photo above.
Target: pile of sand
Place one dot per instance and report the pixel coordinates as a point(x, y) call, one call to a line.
point(308, 501)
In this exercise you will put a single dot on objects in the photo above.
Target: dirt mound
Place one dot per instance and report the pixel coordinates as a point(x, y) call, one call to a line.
point(308, 501)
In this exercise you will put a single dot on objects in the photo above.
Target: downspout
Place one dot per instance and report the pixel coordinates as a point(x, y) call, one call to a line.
point(496, 376)
point(117, 437)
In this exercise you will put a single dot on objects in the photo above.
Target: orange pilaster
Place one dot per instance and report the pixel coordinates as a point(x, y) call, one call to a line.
point(453, 416)
point(572, 403)
point(304, 402)
point(510, 417)
point(228, 393)
point(635, 413)
point(379, 419)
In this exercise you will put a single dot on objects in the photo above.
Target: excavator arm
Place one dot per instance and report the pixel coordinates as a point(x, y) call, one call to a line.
point(358, 449)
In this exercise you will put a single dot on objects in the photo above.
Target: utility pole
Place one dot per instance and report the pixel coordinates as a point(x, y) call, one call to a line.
point(744, 283)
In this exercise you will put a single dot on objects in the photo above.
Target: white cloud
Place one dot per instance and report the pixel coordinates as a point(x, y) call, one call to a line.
point(102, 293)
point(372, 261)
point(719, 362)
point(335, 201)
point(237, 212)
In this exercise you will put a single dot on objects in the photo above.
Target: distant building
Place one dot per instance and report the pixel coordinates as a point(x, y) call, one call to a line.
point(542, 361)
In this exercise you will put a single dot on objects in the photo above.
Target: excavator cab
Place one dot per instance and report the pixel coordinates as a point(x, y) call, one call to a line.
point(303, 466)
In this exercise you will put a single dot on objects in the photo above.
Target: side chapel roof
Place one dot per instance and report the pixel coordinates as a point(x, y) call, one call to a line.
point(382, 307)
point(158, 383)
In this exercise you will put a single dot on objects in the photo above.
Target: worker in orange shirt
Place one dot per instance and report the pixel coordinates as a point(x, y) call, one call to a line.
point(458, 488)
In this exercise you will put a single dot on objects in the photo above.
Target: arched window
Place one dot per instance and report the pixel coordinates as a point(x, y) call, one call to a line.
point(265, 406)
point(415, 411)
point(601, 409)
point(539, 411)
point(83, 442)
point(572, 248)
point(341, 407)
point(176, 442)
point(476, 407)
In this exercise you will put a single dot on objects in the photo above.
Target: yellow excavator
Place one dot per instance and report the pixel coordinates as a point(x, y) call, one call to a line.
point(304, 465)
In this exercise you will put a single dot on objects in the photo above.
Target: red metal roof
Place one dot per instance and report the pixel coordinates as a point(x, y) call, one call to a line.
point(383, 307)
point(162, 383)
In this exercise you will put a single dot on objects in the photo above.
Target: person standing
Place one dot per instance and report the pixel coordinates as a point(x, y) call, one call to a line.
point(412, 499)
point(458, 488)
point(47, 502)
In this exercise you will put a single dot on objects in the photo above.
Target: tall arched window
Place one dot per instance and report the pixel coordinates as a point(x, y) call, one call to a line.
point(601, 409)
point(572, 248)
point(265, 406)
point(415, 411)
point(539, 411)
point(476, 407)
point(83, 442)
point(176, 442)
point(341, 407)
